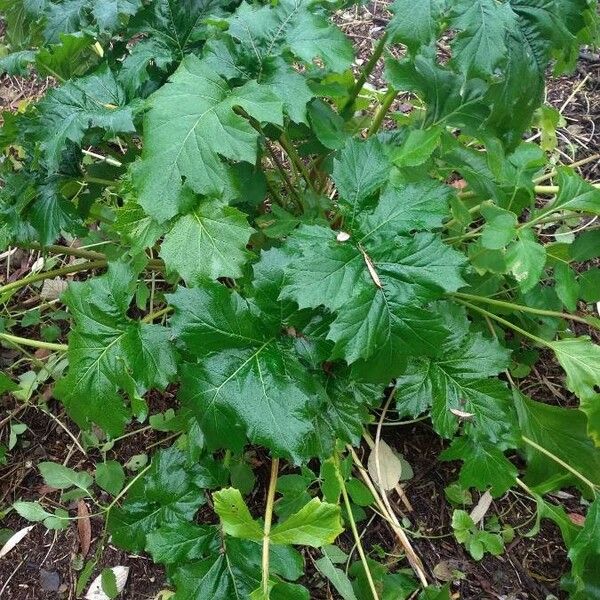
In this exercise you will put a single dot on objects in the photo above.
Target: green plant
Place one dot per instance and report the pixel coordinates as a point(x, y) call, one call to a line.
point(257, 228)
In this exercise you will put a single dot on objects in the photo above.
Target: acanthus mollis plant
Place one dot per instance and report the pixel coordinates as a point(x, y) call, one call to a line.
point(312, 262)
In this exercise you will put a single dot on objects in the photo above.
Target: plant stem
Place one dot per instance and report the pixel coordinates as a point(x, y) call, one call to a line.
point(506, 323)
point(99, 181)
point(20, 341)
point(549, 190)
point(267, 528)
point(293, 191)
point(522, 308)
point(67, 250)
point(157, 315)
point(346, 111)
point(389, 97)
point(579, 163)
point(155, 264)
point(15, 285)
point(295, 159)
point(561, 462)
point(359, 546)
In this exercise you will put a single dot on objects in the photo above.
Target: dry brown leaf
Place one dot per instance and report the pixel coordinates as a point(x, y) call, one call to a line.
point(84, 527)
point(371, 268)
point(14, 539)
point(461, 414)
point(53, 288)
point(390, 466)
point(481, 507)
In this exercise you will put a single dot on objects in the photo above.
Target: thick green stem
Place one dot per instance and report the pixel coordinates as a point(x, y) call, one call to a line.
point(506, 323)
point(67, 250)
point(155, 264)
point(522, 308)
point(15, 285)
point(267, 528)
point(579, 163)
point(157, 315)
point(20, 341)
point(389, 97)
point(347, 109)
point(561, 462)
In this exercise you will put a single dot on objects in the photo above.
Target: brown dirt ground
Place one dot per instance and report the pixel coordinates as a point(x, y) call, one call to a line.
point(531, 567)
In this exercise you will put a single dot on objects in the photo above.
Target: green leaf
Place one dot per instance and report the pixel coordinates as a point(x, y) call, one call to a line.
point(109, 352)
point(360, 169)
point(66, 17)
point(62, 478)
point(562, 432)
point(252, 383)
point(417, 148)
point(449, 99)
point(109, 583)
point(479, 49)
point(136, 228)
point(566, 285)
point(191, 124)
point(233, 573)
point(292, 88)
point(580, 358)
point(315, 524)
point(168, 494)
point(484, 465)
point(179, 543)
point(584, 555)
point(290, 25)
point(110, 476)
point(406, 206)
point(586, 245)
point(17, 63)
point(416, 24)
point(215, 238)
point(212, 317)
point(500, 228)
point(377, 298)
point(32, 511)
point(574, 194)
point(50, 213)
point(7, 384)
point(70, 110)
point(336, 577)
point(327, 125)
point(108, 12)
point(235, 517)
point(459, 379)
point(255, 390)
point(71, 58)
point(526, 259)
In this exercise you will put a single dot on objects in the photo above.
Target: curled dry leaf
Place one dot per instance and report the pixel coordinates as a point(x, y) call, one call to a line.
point(53, 288)
point(96, 593)
point(461, 414)
point(14, 539)
point(390, 466)
point(481, 507)
point(84, 527)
